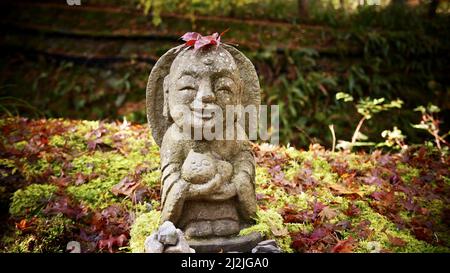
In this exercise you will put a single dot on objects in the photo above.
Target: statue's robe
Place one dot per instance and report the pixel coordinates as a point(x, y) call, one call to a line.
point(174, 150)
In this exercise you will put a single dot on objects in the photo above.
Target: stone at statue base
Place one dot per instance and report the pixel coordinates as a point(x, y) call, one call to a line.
point(267, 246)
point(226, 244)
point(168, 239)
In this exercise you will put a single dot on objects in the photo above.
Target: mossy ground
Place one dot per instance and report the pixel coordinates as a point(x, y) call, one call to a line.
point(98, 183)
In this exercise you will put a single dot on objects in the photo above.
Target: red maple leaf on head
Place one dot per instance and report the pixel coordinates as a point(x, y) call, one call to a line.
point(198, 41)
point(191, 38)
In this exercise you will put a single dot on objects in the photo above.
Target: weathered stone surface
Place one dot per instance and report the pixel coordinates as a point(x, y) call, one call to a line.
point(208, 187)
point(181, 247)
point(73, 247)
point(156, 243)
point(167, 234)
point(226, 244)
point(152, 245)
point(267, 246)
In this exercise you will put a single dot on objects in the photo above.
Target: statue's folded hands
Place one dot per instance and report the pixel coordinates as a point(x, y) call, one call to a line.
point(201, 191)
point(225, 192)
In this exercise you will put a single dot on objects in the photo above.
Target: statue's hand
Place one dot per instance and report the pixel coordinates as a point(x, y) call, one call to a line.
point(201, 190)
point(225, 192)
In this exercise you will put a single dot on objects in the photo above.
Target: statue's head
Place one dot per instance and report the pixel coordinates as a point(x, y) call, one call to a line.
point(198, 83)
point(201, 83)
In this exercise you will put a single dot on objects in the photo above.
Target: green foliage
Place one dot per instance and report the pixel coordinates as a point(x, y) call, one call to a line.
point(430, 123)
point(393, 139)
point(308, 201)
point(50, 236)
point(31, 199)
point(270, 224)
point(368, 107)
point(144, 225)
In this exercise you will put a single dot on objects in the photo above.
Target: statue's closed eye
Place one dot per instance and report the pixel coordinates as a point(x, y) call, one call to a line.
point(225, 89)
point(188, 88)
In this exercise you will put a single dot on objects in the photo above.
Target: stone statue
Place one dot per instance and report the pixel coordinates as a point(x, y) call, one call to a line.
point(208, 186)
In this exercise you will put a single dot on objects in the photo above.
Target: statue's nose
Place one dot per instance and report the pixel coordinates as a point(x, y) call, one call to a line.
point(205, 93)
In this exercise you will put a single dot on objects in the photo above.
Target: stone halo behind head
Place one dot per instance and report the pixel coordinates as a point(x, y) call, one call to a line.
point(155, 90)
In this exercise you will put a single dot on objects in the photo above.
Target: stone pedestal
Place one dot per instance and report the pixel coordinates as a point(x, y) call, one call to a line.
point(226, 244)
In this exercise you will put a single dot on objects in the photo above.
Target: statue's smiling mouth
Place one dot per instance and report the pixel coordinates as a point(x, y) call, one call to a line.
point(204, 113)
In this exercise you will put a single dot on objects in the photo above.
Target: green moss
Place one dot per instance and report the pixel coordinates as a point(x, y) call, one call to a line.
point(322, 171)
point(20, 145)
point(381, 227)
point(48, 236)
point(292, 168)
point(8, 163)
point(57, 141)
point(31, 198)
point(270, 224)
point(435, 206)
point(143, 226)
point(110, 167)
point(407, 173)
point(35, 169)
point(294, 153)
point(299, 227)
point(151, 179)
point(446, 180)
point(359, 162)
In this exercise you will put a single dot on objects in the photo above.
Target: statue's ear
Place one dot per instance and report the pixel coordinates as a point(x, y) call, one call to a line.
point(157, 99)
point(166, 112)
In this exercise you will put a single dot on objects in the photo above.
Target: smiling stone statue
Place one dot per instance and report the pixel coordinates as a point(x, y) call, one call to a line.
point(208, 185)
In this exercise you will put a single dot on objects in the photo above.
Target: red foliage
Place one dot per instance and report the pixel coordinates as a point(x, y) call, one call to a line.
point(198, 41)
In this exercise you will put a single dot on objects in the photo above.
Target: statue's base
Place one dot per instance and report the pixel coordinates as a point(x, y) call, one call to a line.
point(226, 244)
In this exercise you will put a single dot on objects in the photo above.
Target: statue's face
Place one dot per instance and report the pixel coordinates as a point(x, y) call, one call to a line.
point(203, 82)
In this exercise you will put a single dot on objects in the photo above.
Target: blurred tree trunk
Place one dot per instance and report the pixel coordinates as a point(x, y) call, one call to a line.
point(303, 12)
point(433, 7)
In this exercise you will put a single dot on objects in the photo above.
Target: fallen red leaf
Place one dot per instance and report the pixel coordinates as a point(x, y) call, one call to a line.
point(112, 241)
point(344, 246)
point(395, 241)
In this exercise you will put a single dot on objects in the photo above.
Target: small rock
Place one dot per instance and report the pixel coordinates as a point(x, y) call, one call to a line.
point(181, 247)
point(152, 245)
point(167, 233)
point(268, 242)
point(268, 246)
point(148, 206)
point(374, 247)
point(73, 247)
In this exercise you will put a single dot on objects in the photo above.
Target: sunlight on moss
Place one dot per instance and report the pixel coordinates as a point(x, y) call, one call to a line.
point(36, 169)
point(381, 227)
point(47, 236)
point(144, 225)
point(152, 178)
point(359, 162)
point(8, 163)
point(270, 224)
point(32, 198)
point(322, 171)
point(292, 168)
